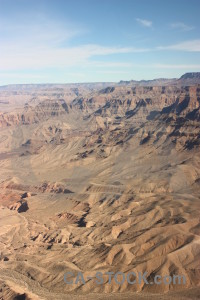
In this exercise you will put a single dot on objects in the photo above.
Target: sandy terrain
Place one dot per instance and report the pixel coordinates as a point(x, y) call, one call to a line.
point(99, 179)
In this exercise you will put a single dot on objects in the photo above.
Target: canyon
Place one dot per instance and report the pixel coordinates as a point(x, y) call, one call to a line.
point(100, 177)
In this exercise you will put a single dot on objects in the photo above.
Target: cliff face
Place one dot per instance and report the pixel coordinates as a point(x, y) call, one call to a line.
point(192, 75)
point(34, 114)
point(139, 103)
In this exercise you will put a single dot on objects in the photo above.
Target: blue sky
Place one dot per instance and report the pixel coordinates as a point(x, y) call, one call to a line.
point(67, 41)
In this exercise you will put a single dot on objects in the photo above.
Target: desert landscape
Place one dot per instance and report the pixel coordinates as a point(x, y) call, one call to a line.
point(100, 177)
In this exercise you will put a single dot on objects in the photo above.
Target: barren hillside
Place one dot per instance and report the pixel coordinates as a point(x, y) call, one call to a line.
point(99, 177)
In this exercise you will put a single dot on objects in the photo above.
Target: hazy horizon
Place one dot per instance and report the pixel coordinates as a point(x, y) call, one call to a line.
point(90, 82)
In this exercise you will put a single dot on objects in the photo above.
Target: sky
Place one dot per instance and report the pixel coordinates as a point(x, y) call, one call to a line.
point(66, 41)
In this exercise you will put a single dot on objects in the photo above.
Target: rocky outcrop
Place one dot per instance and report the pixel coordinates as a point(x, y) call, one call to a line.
point(19, 206)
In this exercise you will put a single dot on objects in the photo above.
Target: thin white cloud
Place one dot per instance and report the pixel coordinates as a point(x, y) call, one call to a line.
point(181, 26)
point(107, 64)
point(37, 32)
point(174, 66)
point(45, 57)
point(112, 72)
point(187, 46)
point(145, 23)
point(39, 43)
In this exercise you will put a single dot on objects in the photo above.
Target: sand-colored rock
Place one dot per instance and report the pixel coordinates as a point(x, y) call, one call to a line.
point(95, 178)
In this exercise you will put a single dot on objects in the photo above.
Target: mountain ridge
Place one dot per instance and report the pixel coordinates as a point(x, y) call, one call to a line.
point(155, 81)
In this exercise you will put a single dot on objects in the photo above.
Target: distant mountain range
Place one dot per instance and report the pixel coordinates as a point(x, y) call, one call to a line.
point(187, 79)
